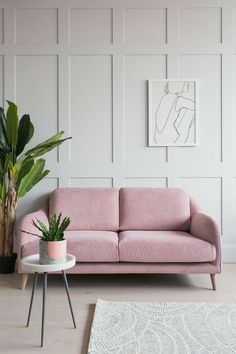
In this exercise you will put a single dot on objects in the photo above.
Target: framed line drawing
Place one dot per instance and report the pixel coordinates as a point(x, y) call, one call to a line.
point(172, 112)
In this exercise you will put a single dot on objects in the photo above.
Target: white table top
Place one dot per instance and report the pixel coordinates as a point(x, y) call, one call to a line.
point(31, 264)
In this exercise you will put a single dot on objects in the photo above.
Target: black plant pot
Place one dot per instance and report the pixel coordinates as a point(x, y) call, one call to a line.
point(7, 264)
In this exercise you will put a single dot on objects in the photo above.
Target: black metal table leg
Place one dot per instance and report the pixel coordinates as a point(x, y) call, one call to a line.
point(32, 298)
point(43, 307)
point(68, 296)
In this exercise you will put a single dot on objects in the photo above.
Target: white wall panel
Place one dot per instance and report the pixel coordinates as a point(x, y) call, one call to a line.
point(145, 25)
point(138, 69)
point(210, 201)
point(37, 94)
point(91, 108)
point(90, 26)
point(206, 69)
point(153, 182)
point(231, 236)
point(36, 26)
point(234, 106)
point(199, 25)
point(1, 26)
point(83, 182)
point(82, 66)
point(234, 24)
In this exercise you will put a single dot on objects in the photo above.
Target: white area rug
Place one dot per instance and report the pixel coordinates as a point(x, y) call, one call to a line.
point(166, 328)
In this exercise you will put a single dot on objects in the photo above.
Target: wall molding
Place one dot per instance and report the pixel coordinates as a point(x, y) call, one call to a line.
point(105, 106)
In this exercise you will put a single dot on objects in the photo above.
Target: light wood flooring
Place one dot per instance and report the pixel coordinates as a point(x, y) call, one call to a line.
point(60, 337)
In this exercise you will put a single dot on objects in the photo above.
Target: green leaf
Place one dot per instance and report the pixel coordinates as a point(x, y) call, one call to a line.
point(42, 227)
point(15, 169)
point(2, 115)
point(4, 148)
point(3, 191)
point(52, 226)
point(36, 180)
point(12, 123)
point(23, 133)
point(39, 178)
point(42, 149)
point(31, 132)
point(3, 165)
point(35, 175)
point(38, 227)
point(59, 237)
point(58, 220)
point(3, 122)
point(3, 135)
point(53, 138)
point(65, 223)
point(24, 169)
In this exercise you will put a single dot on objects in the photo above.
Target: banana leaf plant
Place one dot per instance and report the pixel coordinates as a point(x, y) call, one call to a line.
point(20, 170)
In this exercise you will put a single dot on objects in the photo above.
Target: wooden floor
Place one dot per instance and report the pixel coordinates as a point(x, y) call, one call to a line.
point(60, 337)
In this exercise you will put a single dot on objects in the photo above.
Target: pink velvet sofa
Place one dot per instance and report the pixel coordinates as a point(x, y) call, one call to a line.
point(131, 230)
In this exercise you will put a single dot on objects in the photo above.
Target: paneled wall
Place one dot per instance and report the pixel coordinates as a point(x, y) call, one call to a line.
point(83, 66)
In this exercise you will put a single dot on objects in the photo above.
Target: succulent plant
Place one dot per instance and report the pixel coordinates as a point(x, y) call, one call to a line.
point(55, 229)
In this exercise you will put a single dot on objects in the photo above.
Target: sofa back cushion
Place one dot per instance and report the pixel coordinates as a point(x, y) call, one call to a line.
point(154, 209)
point(88, 208)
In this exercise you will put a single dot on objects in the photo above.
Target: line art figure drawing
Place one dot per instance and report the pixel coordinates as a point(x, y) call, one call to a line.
point(172, 113)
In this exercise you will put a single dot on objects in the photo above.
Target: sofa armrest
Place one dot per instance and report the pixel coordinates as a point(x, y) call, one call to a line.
point(206, 228)
point(26, 225)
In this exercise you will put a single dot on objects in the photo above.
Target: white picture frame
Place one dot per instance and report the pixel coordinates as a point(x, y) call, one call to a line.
point(172, 117)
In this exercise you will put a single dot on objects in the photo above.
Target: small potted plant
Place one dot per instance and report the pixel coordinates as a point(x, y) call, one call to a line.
point(52, 245)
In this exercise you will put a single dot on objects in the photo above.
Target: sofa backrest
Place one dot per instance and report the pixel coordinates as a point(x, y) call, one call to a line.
point(154, 209)
point(88, 208)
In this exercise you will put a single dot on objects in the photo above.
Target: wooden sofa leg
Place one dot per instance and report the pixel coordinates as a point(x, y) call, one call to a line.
point(24, 281)
point(213, 281)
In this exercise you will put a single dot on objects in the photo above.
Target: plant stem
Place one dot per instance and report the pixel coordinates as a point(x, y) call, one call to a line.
point(10, 215)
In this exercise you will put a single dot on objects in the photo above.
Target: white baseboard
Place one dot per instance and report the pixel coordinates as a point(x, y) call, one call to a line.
point(229, 253)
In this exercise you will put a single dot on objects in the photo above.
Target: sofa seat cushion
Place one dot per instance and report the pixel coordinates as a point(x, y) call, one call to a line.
point(164, 247)
point(154, 209)
point(86, 246)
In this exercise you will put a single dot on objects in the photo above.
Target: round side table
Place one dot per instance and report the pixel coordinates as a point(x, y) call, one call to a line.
point(31, 265)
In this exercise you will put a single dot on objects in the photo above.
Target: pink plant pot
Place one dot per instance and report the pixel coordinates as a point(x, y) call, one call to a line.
point(52, 252)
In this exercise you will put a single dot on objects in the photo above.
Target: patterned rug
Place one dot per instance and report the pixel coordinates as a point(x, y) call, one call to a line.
point(166, 328)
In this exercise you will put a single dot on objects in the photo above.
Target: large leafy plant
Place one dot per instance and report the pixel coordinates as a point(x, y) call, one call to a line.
point(55, 229)
point(20, 170)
